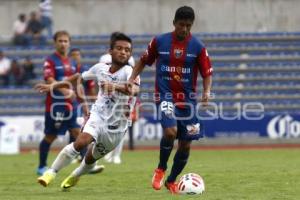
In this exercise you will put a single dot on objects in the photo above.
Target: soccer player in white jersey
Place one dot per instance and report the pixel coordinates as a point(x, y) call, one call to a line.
point(115, 155)
point(108, 121)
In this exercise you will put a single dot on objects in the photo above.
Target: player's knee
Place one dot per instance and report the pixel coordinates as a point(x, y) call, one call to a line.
point(170, 133)
point(50, 138)
point(82, 141)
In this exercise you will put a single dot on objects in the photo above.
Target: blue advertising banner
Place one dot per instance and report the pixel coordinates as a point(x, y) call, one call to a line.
point(272, 126)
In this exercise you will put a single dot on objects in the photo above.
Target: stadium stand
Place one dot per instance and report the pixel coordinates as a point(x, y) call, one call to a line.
point(249, 67)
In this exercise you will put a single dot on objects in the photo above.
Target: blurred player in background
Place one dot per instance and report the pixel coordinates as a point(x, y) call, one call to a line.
point(179, 58)
point(89, 86)
point(108, 121)
point(115, 155)
point(61, 105)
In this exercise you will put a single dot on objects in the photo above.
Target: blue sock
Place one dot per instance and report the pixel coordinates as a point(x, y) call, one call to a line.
point(166, 147)
point(44, 150)
point(180, 160)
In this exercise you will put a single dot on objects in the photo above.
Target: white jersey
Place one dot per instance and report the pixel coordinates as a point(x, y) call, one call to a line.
point(114, 108)
point(106, 58)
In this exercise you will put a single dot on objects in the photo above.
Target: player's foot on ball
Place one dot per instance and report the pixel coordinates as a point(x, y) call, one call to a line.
point(158, 178)
point(46, 179)
point(172, 187)
point(69, 182)
point(97, 169)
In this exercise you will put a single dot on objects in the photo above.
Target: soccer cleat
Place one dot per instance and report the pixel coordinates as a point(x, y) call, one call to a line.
point(97, 169)
point(69, 182)
point(158, 178)
point(41, 170)
point(172, 187)
point(46, 179)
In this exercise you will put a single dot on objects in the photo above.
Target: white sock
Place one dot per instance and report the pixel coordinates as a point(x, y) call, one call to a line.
point(118, 150)
point(64, 158)
point(83, 168)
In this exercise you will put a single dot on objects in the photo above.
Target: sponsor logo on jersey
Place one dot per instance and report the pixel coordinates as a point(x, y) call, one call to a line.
point(177, 78)
point(183, 70)
point(164, 53)
point(191, 55)
point(178, 53)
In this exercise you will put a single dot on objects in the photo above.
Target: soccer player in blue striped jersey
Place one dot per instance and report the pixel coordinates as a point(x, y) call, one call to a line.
point(179, 57)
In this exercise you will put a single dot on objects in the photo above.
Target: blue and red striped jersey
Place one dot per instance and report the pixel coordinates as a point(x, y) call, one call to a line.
point(178, 64)
point(59, 68)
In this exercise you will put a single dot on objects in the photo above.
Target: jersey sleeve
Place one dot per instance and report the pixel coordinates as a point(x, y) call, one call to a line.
point(49, 69)
point(91, 73)
point(149, 56)
point(204, 63)
point(131, 61)
point(106, 58)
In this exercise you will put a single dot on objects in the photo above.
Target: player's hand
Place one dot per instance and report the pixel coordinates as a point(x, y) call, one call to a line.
point(42, 87)
point(129, 87)
point(205, 99)
point(68, 93)
point(107, 87)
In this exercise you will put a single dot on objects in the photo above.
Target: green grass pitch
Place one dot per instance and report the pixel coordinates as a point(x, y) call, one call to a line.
point(228, 175)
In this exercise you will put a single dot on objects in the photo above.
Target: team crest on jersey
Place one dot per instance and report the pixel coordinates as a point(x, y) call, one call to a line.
point(178, 53)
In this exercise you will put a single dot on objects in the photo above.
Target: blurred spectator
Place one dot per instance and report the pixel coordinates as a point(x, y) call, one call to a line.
point(46, 15)
point(4, 69)
point(17, 73)
point(28, 67)
point(19, 28)
point(35, 28)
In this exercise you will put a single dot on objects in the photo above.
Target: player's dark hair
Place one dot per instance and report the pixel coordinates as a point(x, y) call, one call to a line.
point(59, 33)
point(184, 13)
point(114, 34)
point(75, 49)
point(117, 37)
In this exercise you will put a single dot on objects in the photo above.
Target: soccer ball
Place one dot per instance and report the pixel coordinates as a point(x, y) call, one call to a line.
point(191, 183)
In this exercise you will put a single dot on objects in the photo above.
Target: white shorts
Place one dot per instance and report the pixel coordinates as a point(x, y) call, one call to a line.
point(105, 140)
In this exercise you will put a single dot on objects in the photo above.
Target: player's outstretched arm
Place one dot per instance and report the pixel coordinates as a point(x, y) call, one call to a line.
point(53, 84)
point(109, 87)
point(137, 69)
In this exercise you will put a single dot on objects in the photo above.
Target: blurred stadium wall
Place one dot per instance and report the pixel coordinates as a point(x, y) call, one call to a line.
point(144, 16)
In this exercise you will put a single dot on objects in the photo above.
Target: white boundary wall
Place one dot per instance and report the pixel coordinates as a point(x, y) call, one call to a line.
point(155, 16)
